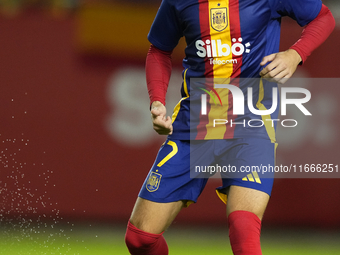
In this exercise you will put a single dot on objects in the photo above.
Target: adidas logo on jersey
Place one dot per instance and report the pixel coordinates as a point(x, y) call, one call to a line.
point(252, 177)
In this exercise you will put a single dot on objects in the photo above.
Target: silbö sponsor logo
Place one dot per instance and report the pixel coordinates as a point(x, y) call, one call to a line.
point(215, 49)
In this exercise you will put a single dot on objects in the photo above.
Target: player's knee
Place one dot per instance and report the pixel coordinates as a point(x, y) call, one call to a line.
point(140, 242)
point(134, 240)
point(243, 219)
point(244, 232)
point(241, 222)
point(133, 243)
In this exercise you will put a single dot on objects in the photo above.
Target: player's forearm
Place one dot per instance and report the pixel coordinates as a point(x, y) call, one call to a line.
point(158, 70)
point(315, 33)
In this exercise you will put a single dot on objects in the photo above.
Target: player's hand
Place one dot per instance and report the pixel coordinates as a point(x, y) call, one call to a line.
point(281, 67)
point(161, 123)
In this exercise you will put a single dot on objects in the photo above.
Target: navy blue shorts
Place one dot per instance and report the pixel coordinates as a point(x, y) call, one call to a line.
point(182, 168)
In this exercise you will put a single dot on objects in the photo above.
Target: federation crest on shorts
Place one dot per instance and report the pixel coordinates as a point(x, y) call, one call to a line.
point(219, 18)
point(153, 182)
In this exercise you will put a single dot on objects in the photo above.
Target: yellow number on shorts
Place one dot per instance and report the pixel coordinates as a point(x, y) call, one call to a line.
point(170, 155)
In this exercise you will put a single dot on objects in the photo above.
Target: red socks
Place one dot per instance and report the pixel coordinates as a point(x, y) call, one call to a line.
point(143, 243)
point(244, 233)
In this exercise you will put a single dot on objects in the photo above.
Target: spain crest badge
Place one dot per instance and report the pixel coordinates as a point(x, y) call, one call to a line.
point(153, 181)
point(219, 18)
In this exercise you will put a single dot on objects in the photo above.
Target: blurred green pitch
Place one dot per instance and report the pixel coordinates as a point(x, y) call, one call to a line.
point(109, 239)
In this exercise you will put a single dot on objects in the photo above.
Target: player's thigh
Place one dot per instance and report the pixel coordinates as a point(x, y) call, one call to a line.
point(251, 189)
point(247, 199)
point(153, 217)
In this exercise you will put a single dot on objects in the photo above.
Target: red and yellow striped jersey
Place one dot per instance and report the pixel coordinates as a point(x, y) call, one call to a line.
point(226, 41)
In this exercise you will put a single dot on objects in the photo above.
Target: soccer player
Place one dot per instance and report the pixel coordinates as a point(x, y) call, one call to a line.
point(226, 40)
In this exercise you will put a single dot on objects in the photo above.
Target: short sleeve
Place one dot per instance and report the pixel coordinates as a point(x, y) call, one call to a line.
point(166, 29)
point(303, 11)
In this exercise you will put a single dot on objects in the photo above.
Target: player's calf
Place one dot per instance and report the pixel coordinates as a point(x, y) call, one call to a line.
point(139, 242)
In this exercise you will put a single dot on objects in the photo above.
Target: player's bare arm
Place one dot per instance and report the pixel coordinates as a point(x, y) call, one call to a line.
point(281, 65)
point(162, 124)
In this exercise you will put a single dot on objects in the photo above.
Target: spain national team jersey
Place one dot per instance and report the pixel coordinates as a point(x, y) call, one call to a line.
point(226, 41)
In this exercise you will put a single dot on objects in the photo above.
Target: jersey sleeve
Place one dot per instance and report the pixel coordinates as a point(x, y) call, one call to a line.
point(166, 29)
point(303, 11)
point(315, 33)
